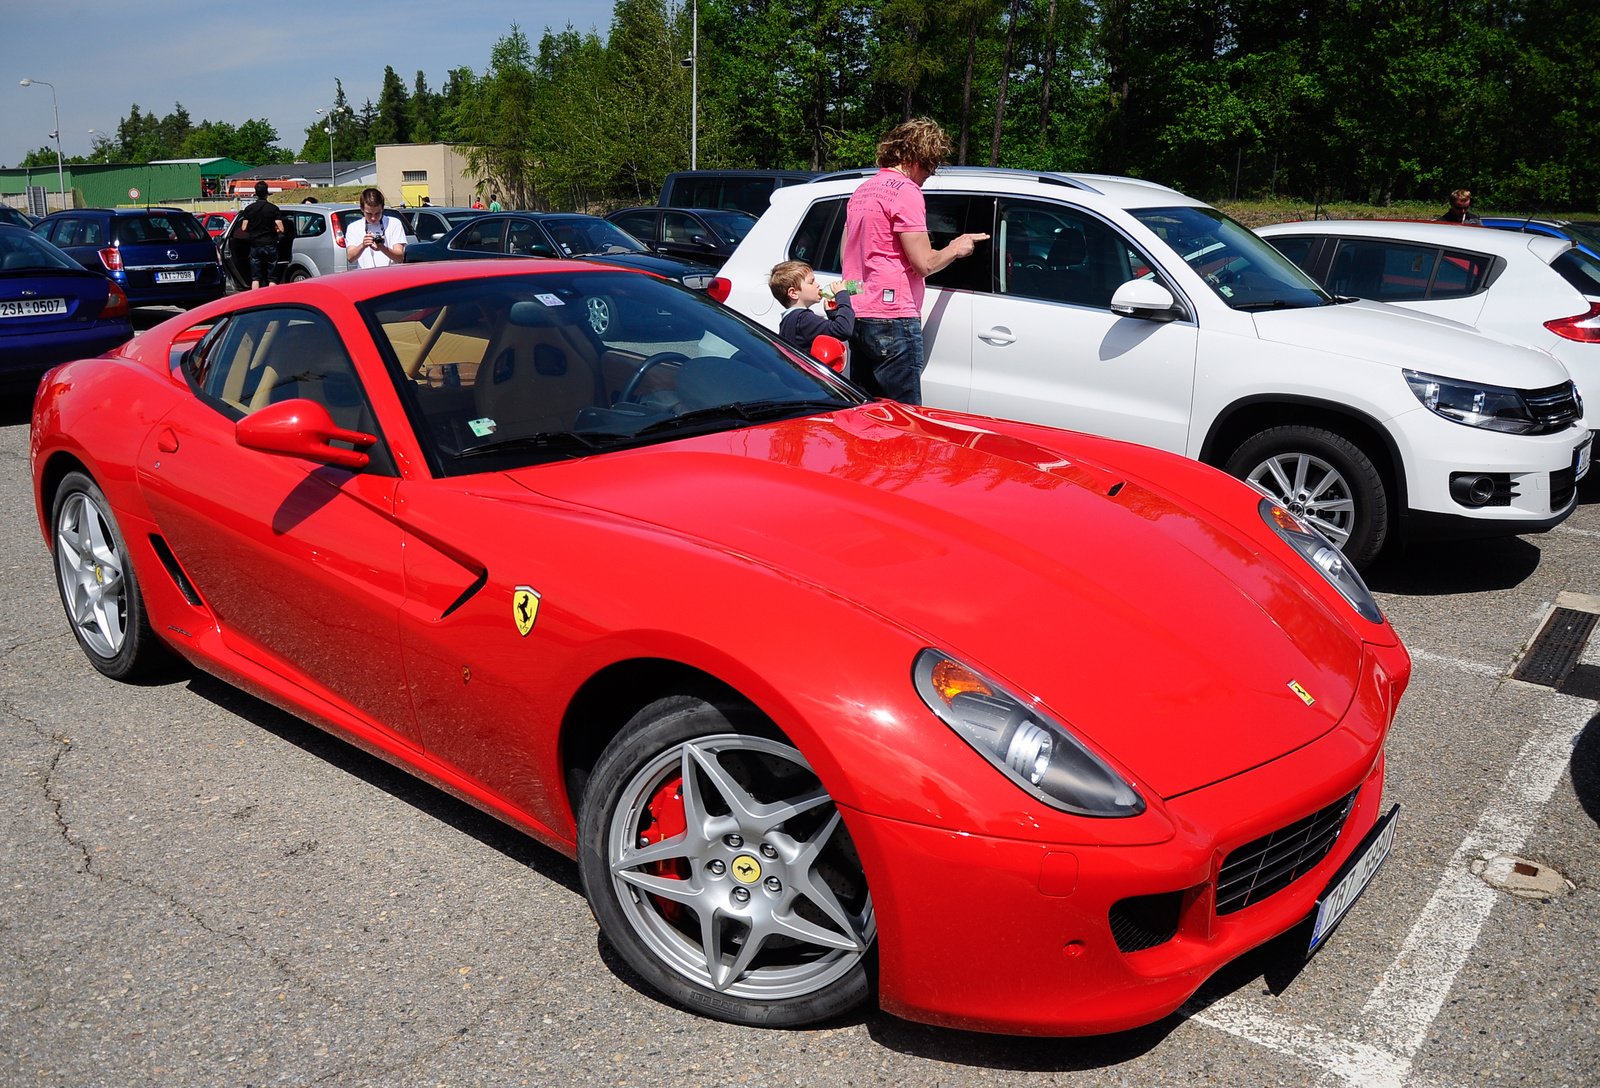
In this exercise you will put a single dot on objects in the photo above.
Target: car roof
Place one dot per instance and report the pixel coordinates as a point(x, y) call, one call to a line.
point(1092, 189)
point(1491, 240)
point(374, 282)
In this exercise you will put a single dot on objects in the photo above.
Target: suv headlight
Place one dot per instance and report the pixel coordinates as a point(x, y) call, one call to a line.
point(1027, 747)
point(1488, 406)
point(1329, 561)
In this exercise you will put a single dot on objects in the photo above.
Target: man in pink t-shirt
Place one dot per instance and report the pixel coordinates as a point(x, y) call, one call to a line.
point(886, 248)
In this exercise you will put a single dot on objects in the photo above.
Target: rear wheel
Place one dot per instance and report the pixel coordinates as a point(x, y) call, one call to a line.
point(721, 870)
point(98, 587)
point(1324, 478)
point(298, 274)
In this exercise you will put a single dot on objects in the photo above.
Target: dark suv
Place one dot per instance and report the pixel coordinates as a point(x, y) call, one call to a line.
point(158, 256)
point(734, 190)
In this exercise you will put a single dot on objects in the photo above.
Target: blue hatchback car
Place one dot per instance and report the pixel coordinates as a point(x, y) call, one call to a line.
point(159, 256)
point(1585, 234)
point(51, 309)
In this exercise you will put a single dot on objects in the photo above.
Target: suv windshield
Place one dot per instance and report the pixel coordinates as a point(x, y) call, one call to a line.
point(731, 226)
point(1243, 270)
point(507, 371)
point(584, 236)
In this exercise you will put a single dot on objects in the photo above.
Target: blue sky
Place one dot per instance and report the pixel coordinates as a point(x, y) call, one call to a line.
point(233, 62)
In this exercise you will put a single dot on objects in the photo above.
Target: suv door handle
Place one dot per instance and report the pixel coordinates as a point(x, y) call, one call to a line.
point(999, 336)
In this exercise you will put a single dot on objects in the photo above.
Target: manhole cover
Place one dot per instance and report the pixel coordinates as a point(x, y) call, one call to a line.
point(1555, 652)
point(1521, 877)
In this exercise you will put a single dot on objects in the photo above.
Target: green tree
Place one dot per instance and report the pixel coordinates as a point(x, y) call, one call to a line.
point(392, 122)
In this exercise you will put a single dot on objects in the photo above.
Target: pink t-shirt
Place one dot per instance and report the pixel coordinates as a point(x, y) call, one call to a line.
point(883, 206)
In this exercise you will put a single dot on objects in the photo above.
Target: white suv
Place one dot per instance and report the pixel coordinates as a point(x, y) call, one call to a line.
point(1123, 308)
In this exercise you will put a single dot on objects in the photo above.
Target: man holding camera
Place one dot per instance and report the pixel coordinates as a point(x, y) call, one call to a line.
point(374, 240)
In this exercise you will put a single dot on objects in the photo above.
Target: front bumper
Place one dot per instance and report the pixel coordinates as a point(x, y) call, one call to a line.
point(998, 935)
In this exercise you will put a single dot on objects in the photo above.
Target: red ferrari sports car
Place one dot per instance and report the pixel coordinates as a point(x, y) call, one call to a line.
point(1046, 727)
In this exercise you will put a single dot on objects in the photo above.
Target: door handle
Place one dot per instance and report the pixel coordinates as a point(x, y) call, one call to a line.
point(999, 336)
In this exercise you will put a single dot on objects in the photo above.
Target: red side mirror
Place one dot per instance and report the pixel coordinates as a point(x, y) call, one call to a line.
point(301, 428)
point(829, 352)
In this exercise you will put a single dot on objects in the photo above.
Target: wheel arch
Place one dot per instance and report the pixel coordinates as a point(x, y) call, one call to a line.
point(56, 468)
point(1248, 416)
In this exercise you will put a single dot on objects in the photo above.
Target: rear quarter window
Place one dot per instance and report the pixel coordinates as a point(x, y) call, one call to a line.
point(1580, 270)
point(816, 240)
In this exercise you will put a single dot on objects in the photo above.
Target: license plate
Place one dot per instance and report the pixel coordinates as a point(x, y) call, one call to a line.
point(33, 307)
point(175, 277)
point(1351, 880)
point(1581, 460)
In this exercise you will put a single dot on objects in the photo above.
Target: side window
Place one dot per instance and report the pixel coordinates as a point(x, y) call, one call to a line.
point(1297, 250)
point(429, 226)
point(524, 238)
point(482, 236)
point(68, 232)
point(1058, 254)
point(642, 225)
point(680, 229)
point(951, 214)
point(1459, 274)
point(1386, 271)
point(262, 357)
point(817, 240)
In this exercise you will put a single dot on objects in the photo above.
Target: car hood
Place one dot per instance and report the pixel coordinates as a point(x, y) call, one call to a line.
point(662, 266)
point(1401, 337)
point(1148, 629)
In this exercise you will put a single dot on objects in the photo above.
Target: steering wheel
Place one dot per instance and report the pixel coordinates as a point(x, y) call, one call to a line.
point(638, 375)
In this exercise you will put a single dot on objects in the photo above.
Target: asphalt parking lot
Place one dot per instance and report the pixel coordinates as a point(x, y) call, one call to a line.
point(196, 889)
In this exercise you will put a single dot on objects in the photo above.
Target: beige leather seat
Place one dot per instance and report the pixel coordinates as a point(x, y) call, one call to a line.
point(537, 378)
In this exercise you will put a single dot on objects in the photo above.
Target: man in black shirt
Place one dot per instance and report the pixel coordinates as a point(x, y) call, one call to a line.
point(261, 225)
point(1460, 210)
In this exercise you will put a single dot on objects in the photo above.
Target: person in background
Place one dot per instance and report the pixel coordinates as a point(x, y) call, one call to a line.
point(494, 202)
point(477, 202)
point(309, 200)
point(375, 240)
point(261, 225)
point(794, 284)
point(1460, 210)
point(886, 248)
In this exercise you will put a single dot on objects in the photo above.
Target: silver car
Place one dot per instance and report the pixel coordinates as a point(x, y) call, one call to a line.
point(313, 243)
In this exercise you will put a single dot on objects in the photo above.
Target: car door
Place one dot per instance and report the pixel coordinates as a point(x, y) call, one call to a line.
point(685, 237)
point(641, 224)
point(297, 560)
point(524, 238)
point(1048, 349)
point(483, 237)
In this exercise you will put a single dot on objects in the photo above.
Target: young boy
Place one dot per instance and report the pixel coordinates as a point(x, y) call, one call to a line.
point(795, 285)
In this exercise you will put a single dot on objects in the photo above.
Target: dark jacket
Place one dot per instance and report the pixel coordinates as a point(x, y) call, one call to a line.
point(1456, 215)
point(800, 326)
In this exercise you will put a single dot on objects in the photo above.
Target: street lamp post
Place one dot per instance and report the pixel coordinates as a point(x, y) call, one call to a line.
point(61, 174)
point(332, 112)
point(692, 62)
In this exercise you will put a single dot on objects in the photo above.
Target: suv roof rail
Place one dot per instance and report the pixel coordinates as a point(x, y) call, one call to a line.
point(972, 171)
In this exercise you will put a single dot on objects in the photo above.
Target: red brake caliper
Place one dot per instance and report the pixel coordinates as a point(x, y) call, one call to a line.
point(666, 820)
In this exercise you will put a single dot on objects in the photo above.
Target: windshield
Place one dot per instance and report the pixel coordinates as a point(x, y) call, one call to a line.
point(22, 250)
point(1243, 270)
point(585, 236)
point(455, 219)
point(507, 371)
point(731, 228)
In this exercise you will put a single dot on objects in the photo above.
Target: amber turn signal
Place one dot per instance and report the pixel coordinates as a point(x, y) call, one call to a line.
point(951, 679)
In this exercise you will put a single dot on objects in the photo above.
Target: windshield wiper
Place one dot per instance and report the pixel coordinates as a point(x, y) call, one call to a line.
point(746, 411)
point(1275, 304)
point(570, 442)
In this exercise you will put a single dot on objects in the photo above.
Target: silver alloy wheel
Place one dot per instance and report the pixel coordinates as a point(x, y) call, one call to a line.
point(1310, 488)
point(746, 884)
point(90, 568)
point(599, 310)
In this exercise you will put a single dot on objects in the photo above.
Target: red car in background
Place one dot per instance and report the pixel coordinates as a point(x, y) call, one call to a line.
point(1055, 725)
point(216, 223)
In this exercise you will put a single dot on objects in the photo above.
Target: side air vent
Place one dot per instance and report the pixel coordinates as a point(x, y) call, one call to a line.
point(1144, 921)
point(170, 561)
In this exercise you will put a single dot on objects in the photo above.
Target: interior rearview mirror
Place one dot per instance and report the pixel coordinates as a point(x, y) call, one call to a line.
point(301, 428)
point(1144, 298)
point(829, 352)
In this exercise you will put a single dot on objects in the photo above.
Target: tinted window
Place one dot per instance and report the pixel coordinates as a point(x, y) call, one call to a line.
point(481, 236)
point(816, 241)
point(1297, 250)
point(1386, 271)
point(951, 214)
point(428, 225)
point(1580, 270)
point(518, 370)
point(1056, 253)
point(680, 229)
point(524, 238)
point(730, 228)
point(155, 229)
point(1459, 274)
point(582, 235)
point(1235, 262)
point(11, 216)
point(19, 249)
point(457, 218)
point(642, 225)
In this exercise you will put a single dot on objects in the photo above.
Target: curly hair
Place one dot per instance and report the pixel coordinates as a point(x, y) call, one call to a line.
point(919, 142)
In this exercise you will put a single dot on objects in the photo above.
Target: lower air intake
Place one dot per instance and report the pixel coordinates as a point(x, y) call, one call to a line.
point(1270, 864)
point(1144, 921)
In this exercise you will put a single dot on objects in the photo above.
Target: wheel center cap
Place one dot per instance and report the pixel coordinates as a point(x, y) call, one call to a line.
point(99, 577)
point(745, 869)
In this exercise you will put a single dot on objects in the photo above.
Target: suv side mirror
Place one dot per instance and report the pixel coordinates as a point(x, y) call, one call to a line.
point(828, 351)
point(301, 428)
point(1146, 299)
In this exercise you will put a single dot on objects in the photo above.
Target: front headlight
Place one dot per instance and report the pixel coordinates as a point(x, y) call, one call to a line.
point(1321, 554)
point(1488, 406)
point(1027, 747)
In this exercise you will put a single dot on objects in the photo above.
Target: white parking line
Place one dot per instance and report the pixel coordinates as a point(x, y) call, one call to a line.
point(1492, 671)
point(1401, 1010)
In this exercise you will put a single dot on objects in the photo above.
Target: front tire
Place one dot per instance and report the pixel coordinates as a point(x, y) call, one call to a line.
point(720, 869)
point(1324, 478)
point(98, 587)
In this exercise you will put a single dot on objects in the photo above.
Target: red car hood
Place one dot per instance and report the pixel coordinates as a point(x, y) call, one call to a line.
point(1150, 631)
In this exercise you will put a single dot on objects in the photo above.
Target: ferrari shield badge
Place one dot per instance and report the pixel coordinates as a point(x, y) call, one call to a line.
point(1294, 686)
point(525, 608)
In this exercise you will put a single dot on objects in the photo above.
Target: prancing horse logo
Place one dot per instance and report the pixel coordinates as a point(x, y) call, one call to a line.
point(525, 608)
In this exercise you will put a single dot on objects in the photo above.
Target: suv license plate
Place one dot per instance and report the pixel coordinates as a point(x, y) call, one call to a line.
point(1351, 880)
point(175, 277)
point(1581, 459)
point(33, 307)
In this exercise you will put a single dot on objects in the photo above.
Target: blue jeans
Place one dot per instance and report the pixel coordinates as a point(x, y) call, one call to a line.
point(886, 357)
point(263, 263)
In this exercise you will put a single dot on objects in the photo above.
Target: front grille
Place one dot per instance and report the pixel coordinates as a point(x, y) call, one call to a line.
point(1144, 921)
point(1554, 407)
point(1270, 864)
